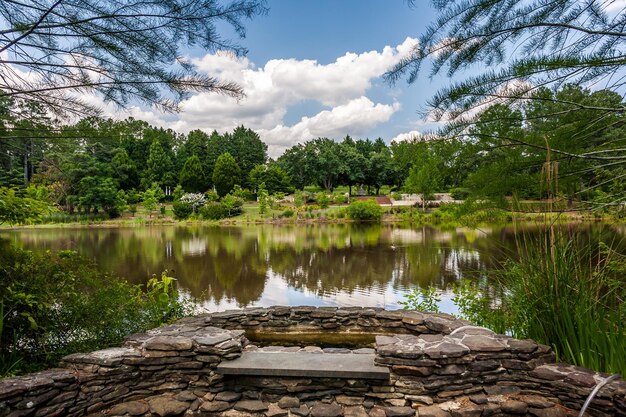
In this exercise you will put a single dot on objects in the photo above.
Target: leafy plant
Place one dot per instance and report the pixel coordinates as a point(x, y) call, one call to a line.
point(422, 299)
point(365, 210)
point(56, 303)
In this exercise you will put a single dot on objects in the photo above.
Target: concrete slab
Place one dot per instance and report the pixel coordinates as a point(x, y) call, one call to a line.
point(303, 364)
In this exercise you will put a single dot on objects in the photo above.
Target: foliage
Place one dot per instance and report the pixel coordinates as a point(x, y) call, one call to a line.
point(424, 179)
point(275, 178)
point(288, 213)
point(150, 200)
point(422, 299)
point(122, 50)
point(192, 176)
point(182, 211)
point(263, 198)
point(226, 174)
point(213, 211)
point(15, 209)
point(322, 199)
point(56, 303)
point(561, 290)
point(232, 205)
point(365, 210)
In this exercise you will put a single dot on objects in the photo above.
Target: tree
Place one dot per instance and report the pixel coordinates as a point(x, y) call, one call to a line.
point(192, 176)
point(122, 50)
point(15, 209)
point(226, 174)
point(150, 200)
point(159, 165)
point(248, 150)
point(275, 179)
point(423, 179)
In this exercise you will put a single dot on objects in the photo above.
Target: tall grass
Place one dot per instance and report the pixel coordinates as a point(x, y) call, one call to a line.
point(568, 291)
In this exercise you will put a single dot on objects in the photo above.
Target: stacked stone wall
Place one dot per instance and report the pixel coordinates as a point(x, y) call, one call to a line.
point(438, 369)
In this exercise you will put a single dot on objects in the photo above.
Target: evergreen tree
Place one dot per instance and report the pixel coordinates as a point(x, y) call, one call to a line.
point(192, 176)
point(226, 174)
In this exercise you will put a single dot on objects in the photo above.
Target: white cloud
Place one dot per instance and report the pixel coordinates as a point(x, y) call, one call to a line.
point(354, 118)
point(414, 135)
point(340, 86)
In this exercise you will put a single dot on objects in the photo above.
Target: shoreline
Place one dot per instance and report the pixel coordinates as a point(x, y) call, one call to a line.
point(425, 220)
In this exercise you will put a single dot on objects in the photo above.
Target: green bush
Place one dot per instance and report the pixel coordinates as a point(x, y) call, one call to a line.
point(288, 213)
point(56, 303)
point(322, 199)
point(213, 211)
point(365, 210)
point(460, 193)
point(182, 210)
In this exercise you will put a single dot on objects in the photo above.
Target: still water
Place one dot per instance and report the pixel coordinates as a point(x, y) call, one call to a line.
point(322, 265)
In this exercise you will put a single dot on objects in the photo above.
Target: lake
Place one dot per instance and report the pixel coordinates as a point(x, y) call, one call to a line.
point(321, 265)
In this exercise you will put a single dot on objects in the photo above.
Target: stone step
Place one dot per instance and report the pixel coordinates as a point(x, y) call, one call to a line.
point(306, 365)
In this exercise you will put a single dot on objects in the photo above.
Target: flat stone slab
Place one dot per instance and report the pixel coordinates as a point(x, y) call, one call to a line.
point(303, 364)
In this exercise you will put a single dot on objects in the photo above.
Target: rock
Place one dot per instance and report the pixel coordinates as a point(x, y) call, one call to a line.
point(289, 402)
point(253, 406)
point(467, 410)
point(399, 411)
point(168, 343)
point(215, 406)
point(478, 399)
point(490, 409)
point(555, 411)
point(514, 407)
point(396, 402)
point(377, 411)
point(133, 408)
point(302, 411)
point(326, 410)
point(186, 396)
point(432, 411)
point(421, 399)
point(274, 410)
point(228, 396)
point(166, 406)
point(536, 401)
point(483, 343)
point(345, 400)
point(356, 411)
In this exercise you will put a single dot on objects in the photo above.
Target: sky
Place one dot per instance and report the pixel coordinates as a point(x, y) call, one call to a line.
point(314, 70)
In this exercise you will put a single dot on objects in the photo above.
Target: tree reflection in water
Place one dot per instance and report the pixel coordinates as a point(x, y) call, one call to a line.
point(334, 264)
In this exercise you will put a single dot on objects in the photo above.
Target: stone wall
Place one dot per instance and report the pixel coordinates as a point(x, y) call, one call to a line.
point(437, 370)
point(325, 319)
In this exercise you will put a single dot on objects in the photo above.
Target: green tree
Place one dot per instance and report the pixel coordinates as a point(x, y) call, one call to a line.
point(226, 174)
point(192, 176)
point(150, 200)
point(15, 209)
point(424, 179)
point(275, 178)
point(262, 197)
point(95, 193)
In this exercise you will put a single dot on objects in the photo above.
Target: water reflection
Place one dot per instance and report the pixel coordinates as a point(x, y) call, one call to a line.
point(315, 265)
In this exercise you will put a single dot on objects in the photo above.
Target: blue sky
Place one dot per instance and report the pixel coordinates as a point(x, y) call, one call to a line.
point(313, 69)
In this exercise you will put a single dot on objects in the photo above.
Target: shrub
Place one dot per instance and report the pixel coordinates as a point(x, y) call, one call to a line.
point(182, 210)
point(460, 193)
point(339, 199)
point(213, 211)
point(56, 303)
point(365, 210)
point(288, 213)
point(232, 204)
point(322, 199)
